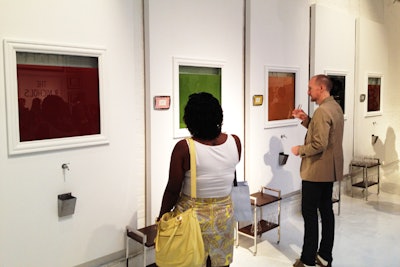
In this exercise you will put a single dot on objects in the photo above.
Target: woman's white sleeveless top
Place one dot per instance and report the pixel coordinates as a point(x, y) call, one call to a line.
point(215, 169)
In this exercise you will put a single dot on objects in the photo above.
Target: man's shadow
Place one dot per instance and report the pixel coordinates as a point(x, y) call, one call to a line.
point(281, 177)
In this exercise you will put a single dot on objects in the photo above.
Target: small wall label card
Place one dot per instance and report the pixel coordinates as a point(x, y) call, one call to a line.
point(162, 102)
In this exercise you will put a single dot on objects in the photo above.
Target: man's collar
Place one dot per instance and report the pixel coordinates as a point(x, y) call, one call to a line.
point(326, 99)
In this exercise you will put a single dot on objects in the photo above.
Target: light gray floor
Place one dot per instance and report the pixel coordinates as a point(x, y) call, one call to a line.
point(367, 232)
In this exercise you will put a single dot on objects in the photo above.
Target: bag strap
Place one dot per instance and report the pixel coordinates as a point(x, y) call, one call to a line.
point(235, 180)
point(192, 152)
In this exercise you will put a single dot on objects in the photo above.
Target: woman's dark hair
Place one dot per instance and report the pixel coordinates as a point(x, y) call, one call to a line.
point(203, 116)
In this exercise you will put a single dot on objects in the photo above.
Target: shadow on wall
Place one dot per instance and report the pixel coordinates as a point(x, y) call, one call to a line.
point(280, 176)
point(390, 146)
point(386, 151)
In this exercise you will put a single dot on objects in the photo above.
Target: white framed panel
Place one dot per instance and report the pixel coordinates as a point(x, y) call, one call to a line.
point(184, 132)
point(279, 44)
point(15, 145)
point(177, 33)
point(283, 98)
point(332, 52)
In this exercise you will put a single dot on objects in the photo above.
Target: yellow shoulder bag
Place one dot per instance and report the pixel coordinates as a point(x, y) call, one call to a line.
point(179, 242)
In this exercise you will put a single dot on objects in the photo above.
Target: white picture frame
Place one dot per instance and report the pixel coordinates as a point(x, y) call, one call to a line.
point(281, 122)
point(376, 109)
point(177, 62)
point(15, 145)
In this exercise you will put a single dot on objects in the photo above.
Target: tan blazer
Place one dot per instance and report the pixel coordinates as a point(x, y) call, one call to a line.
point(322, 152)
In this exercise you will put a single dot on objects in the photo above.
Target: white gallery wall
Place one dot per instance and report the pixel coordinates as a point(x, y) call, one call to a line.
point(371, 38)
point(122, 182)
point(277, 37)
point(332, 52)
point(377, 54)
point(391, 97)
point(106, 179)
point(198, 32)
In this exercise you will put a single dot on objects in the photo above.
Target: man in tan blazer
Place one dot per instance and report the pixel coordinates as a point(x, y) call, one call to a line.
point(321, 165)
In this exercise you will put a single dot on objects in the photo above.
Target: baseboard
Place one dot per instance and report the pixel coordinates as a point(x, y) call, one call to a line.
point(110, 260)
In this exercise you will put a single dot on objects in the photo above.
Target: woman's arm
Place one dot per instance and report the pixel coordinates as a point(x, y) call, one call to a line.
point(179, 164)
point(238, 144)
